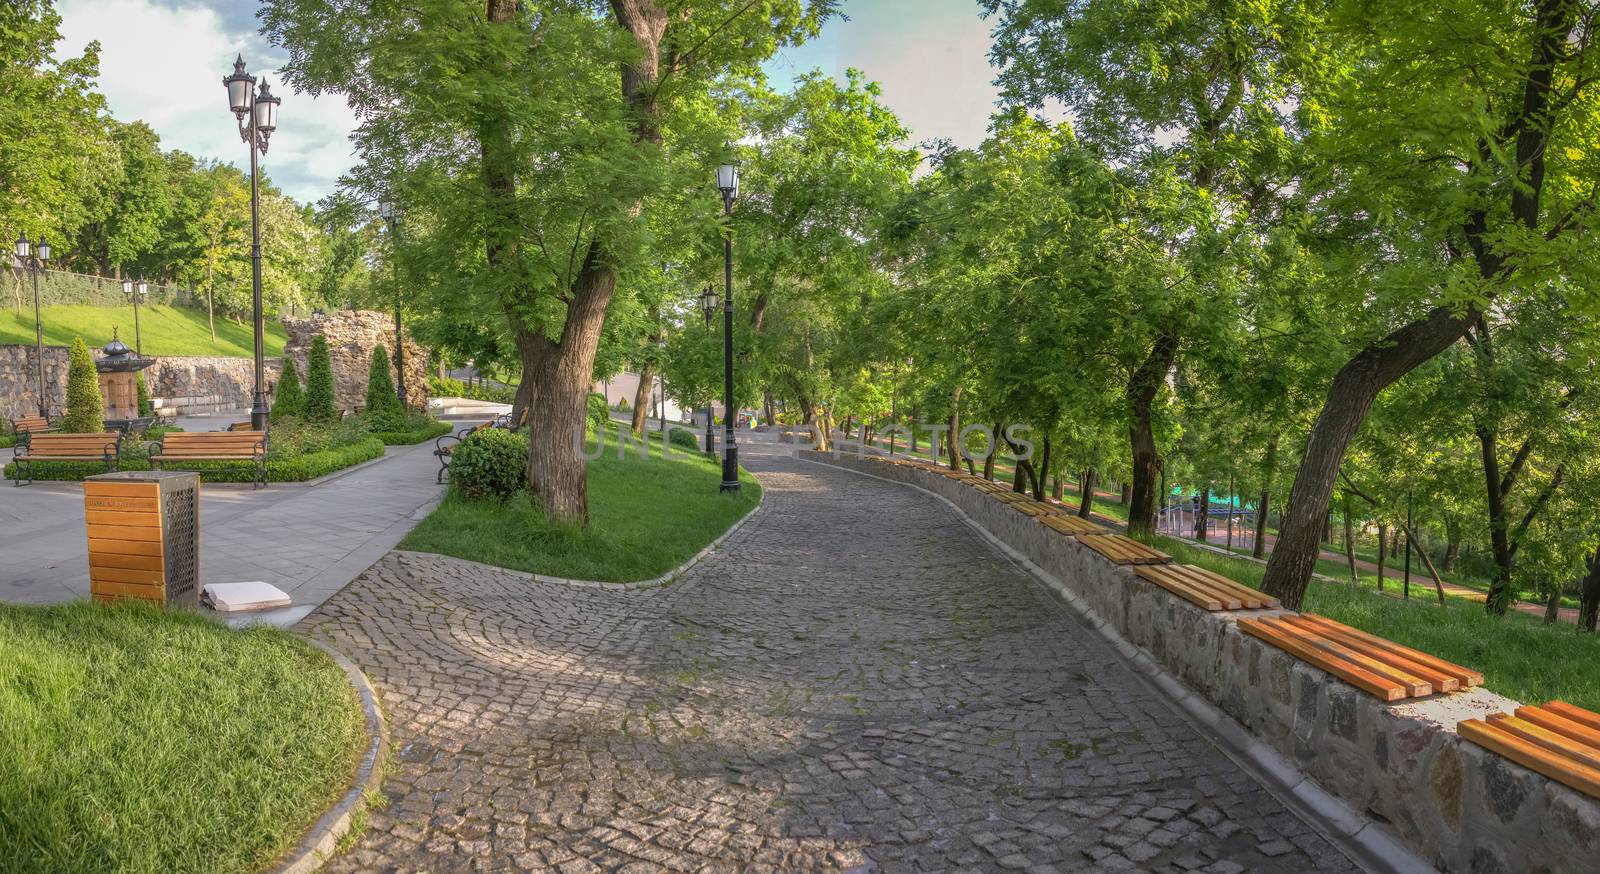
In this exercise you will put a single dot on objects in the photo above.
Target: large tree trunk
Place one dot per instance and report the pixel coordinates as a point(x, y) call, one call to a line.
point(994, 450)
point(1269, 470)
point(1383, 543)
point(643, 397)
point(1350, 542)
point(768, 411)
point(956, 449)
point(1044, 468)
point(1552, 606)
point(1589, 603)
point(1202, 515)
point(1501, 593)
point(1142, 388)
point(1354, 388)
point(1452, 544)
point(1086, 498)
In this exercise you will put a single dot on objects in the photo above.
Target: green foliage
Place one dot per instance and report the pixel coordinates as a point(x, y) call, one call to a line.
point(326, 457)
point(146, 408)
point(415, 433)
point(85, 408)
point(163, 330)
point(490, 464)
point(448, 387)
point(319, 401)
point(599, 415)
point(384, 410)
point(623, 406)
point(86, 689)
point(683, 438)
point(290, 398)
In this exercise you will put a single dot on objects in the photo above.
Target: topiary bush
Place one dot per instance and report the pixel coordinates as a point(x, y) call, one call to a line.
point(290, 399)
point(384, 412)
point(85, 408)
point(599, 414)
point(319, 382)
point(683, 437)
point(491, 464)
point(146, 407)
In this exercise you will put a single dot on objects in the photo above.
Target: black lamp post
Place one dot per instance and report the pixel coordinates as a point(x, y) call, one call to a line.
point(708, 307)
point(261, 110)
point(728, 183)
point(391, 215)
point(33, 257)
point(136, 291)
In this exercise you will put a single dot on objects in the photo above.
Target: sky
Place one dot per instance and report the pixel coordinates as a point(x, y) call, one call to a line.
point(163, 61)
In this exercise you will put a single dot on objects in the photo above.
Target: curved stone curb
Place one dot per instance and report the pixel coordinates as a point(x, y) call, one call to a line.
point(1363, 841)
point(656, 582)
point(322, 840)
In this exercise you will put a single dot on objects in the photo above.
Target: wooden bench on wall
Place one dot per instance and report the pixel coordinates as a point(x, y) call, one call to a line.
point(104, 446)
point(180, 447)
point(1558, 740)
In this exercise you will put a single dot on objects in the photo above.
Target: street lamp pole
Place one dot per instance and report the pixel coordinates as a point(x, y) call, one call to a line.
point(392, 215)
point(728, 182)
point(261, 110)
point(34, 261)
point(708, 306)
point(135, 291)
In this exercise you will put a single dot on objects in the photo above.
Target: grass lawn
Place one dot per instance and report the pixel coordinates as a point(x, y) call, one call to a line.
point(163, 330)
point(1518, 654)
point(647, 516)
point(141, 741)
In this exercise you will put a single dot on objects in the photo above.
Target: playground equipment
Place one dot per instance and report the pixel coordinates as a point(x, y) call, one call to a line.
point(1227, 524)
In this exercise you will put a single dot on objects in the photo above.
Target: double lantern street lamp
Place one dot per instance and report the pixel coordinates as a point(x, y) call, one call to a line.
point(257, 113)
point(391, 216)
point(136, 291)
point(33, 256)
point(728, 183)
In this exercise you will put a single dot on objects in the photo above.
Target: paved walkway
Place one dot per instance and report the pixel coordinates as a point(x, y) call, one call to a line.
point(309, 540)
point(856, 681)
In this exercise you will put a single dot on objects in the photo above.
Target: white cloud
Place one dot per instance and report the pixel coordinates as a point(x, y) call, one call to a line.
point(165, 64)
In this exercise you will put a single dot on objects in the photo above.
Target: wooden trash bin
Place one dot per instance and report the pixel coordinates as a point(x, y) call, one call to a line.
point(144, 536)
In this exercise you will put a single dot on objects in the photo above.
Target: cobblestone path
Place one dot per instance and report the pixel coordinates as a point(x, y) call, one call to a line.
point(857, 681)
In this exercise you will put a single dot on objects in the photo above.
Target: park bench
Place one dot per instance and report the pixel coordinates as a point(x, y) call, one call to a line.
point(104, 446)
point(446, 445)
point(1205, 589)
point(239, 426)
point(1558, 740)
point(1381, 668)
point(30, 425)
point(182, 447)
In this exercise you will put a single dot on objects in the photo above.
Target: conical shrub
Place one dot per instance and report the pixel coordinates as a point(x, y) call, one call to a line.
point(290, 399)
point(383, 405)
point(86, 412)
point(319, 382)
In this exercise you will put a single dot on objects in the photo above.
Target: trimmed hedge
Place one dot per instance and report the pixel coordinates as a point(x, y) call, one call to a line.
point(294, 469)
point(448, 387)
point(432, 431)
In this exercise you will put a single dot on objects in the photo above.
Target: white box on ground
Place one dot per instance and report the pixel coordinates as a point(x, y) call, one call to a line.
point(236, 597)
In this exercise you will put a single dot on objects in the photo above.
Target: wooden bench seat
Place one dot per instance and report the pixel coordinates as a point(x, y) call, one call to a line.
point(1379, 667)
point(180, 447)
point(1205, 589)
point(104, 446)
point(1123, 550)
point(1558, 740)
point(1072, 526)
point(30, 425)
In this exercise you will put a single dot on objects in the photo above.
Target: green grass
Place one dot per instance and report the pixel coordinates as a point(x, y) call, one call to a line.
point(647, 516)
point(136, 740)
point(1518, 654)
point(163, 330)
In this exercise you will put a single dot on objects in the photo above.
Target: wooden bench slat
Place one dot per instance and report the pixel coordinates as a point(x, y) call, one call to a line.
point(1203, 600)
point(1530, 755)
point(1536, 734)
point(1441, 681)
point(1415, 686)
point(1355, 675)
point(1467, 676)
point(1546, 718)
point(1586, 718)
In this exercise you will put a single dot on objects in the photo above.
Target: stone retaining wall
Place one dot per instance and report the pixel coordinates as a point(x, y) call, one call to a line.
point(1456, 804)
point(197, 383)
point(19, 380)
point(351, 337)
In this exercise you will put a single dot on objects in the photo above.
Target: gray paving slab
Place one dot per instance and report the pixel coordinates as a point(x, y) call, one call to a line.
point(307, 539)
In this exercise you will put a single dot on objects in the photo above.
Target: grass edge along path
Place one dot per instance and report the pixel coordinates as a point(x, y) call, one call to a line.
point(647, 516)
point(1520, 657)
point(135, 739)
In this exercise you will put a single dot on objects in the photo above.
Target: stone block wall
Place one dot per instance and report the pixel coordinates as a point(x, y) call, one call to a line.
point(351, 336)
point(1457, 805)
point(207, 383)
point(19, 380)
